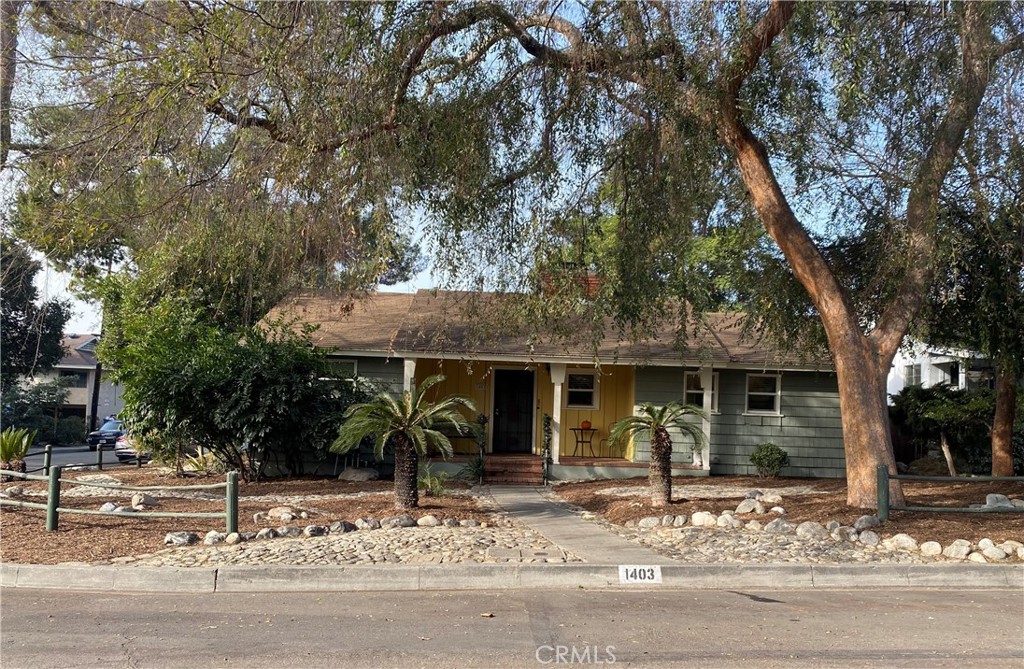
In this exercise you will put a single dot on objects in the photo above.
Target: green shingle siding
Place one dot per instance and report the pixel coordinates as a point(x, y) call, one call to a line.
point(809, 428)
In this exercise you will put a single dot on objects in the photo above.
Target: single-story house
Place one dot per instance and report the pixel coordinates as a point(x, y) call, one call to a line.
point(920, 364)
point(752, 393)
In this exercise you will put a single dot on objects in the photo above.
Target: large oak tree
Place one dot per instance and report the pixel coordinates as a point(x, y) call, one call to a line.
point(492, 120)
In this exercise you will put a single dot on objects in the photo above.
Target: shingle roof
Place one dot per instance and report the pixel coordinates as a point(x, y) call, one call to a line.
point(441, 323)
point(80, 351)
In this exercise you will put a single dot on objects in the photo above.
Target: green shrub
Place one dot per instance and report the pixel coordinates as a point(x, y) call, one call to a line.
point(69, 430)
point(430, 483)
point(14, 444)
point(769, 460)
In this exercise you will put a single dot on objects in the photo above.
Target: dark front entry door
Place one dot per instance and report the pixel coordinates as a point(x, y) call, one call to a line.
point(513, 411)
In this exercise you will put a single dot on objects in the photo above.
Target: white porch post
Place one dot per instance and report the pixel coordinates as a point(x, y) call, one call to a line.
point(706, 379)
point(557, 378)
point(408, 374)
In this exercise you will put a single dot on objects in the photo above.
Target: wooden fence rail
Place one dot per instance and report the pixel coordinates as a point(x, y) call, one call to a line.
point(54, 509)
point(884, 507)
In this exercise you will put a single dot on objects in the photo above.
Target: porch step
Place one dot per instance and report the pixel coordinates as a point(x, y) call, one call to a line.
point(514, 470)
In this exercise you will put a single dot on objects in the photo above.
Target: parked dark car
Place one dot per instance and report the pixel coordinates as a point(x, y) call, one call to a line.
point(107, 434)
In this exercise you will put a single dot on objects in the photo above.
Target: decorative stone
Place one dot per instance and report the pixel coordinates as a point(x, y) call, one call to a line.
point(284, 513)
point(866, 523)
point(108, 507)
point(469, 523)
point(811, 530)
point(958, 550)
point(780, 526)
point(994, 554)
point(778, 509)
point(1017, 503)
point(266, 533)
point(142, 499)
point(233, 538)
point(977, 557)
point(648, 522)
point(1020, 553)
point(995, 501)
point(754, 525)
point(844, 533)
point(15, 491)
point(428, 521)
point(931, 548)
point(770, 498)
point(303, 514)
point(680, 520)
point(214, 537)
point(985, 543)
point(450, 522)
point(832, 525)
point(393, 522)
point(342, 527)
point(289, 531)
point(750, 506)
point(868, 538)
point(126, 509)
point(181, 538)
point(314, 531)
point(1010, 546)
point(367, 524)
point(357, 475)
point(703, 519)
point(904, 542)
point(754, 494)
point(260, 517)
point(667, 520)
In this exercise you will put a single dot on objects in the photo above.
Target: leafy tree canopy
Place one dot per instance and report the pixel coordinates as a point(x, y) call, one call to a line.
point(31, 331)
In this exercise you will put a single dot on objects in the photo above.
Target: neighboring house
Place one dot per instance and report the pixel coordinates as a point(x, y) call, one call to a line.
point(753, 394)
point(80, 365)
point(919, 364)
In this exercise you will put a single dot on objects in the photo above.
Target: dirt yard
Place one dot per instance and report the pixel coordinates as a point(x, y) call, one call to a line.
point(819, 500)
point(82, 538)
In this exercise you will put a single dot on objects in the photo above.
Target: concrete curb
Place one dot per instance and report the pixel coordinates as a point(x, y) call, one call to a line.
point(276, 578)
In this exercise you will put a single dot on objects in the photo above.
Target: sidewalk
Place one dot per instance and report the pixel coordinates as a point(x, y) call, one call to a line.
point(587, 541)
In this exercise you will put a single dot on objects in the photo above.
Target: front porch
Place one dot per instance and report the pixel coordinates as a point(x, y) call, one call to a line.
point(560, 410)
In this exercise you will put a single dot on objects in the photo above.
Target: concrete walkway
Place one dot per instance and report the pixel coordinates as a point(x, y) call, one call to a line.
point(587, 541)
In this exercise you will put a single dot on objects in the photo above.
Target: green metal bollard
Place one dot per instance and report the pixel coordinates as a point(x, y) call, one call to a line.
point(99, 457)
point(47, 456)
point(52, 499)
point(231, 502)
point(883, 493)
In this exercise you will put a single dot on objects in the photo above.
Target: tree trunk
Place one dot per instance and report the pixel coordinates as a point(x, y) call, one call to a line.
point(407, 465)
point(1002, 423)
point(661, 468)
point(946, 453)
point(865, 419)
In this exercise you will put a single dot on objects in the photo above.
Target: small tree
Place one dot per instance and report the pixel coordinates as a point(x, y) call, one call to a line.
point(411, 425)
point(654, 423)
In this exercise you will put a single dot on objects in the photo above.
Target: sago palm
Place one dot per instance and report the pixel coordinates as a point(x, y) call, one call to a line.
point(654, 423)
point(410, 425)
point(14, 446)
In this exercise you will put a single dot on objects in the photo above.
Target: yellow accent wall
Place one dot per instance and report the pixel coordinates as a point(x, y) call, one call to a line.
point(615, 400)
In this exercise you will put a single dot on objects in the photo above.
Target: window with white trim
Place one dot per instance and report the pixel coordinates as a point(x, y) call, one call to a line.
point(342, 367)
point(763, 393)
point(581, 390)
point(912, 375)
point(693, 392)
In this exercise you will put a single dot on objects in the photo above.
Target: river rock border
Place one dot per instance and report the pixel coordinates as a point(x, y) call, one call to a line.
point(719, 537)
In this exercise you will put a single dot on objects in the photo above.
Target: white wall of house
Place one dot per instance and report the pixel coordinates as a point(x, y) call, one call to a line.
point(918, 364)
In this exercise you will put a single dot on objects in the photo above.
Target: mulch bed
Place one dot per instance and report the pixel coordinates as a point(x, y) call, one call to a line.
point(82, 538)
point(828, 503)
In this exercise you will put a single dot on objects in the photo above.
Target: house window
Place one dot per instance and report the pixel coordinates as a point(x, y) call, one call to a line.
point(694, 390)
point(346, 368)
point(582, 390)
point(763, 392)
point(75, 379)
point(912, 375)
